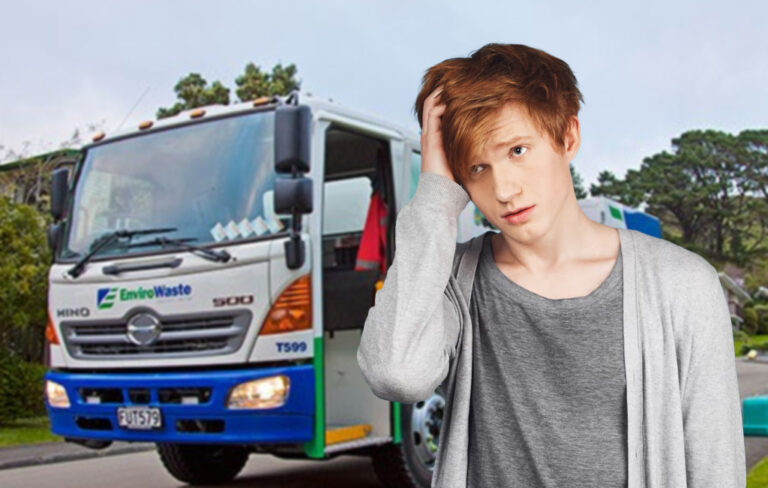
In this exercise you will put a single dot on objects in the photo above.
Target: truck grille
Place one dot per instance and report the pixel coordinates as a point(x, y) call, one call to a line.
point(181, 336)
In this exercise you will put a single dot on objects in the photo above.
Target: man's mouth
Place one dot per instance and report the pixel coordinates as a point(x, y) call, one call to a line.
point(515, 212)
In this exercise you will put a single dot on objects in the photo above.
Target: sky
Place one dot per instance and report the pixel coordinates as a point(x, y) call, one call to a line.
point(648, 70)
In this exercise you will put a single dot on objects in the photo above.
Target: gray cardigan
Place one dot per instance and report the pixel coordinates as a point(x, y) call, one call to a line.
point(684, 412)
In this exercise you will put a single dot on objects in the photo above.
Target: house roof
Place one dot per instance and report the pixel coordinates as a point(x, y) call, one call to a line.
point(45, 156)
point(728, 282)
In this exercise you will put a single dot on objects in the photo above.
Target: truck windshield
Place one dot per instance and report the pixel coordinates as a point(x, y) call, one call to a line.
point(212, 181)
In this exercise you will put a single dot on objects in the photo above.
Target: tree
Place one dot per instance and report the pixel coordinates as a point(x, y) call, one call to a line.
point(25, 177)
point(712, 187)
point(254, 83)
point(578, 183)
point(24, 264)
point(193, 91)
point(608, 185)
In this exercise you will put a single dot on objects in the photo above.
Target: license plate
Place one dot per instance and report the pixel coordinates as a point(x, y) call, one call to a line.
point(139, 418)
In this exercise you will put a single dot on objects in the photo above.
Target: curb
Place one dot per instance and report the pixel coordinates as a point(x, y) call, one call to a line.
point(760, 358)
point(57, 452)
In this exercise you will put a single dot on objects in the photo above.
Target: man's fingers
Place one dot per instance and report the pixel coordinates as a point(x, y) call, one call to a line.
point(438, 109)
point(429, 104)
point(431, 100)
point(434, 118)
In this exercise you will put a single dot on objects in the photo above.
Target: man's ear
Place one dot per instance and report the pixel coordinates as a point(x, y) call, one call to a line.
point(572, 137)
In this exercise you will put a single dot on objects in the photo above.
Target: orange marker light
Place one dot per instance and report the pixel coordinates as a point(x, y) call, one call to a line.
point(50, 332)
point(145, 125)
point(197, 113)
point(292, 310)
point(98, 136)
point(261, 101)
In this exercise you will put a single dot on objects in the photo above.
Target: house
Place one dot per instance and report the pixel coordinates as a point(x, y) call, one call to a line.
point(736, 296)
point(26, 180)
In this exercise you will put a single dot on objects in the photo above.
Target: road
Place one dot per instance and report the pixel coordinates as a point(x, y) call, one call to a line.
point(753, 381)
point(265, 471)
point(145, 470)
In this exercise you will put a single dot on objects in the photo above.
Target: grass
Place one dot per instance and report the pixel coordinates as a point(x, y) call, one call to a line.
point(27, 431)
point(754, 338)
point(757, 477)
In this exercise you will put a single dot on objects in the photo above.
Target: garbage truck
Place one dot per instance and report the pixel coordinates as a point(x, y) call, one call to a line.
point(212, 274)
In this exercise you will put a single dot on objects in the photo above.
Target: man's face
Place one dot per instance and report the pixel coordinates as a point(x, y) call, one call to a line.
point(519, 168)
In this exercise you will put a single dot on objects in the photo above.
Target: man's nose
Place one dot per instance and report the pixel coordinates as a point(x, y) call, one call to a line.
point(506, 185)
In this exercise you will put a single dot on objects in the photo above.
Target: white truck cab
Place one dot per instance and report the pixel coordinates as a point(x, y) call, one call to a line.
point(204, 294)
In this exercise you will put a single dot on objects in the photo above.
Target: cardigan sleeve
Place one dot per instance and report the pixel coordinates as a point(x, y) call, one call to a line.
point(712, 421)
point(410, 333)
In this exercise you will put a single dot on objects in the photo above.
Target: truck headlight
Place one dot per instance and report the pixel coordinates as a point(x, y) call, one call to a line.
point(268, 392)
point(56, 394)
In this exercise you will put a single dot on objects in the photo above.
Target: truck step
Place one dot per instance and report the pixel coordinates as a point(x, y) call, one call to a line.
point(357, 443)
point(335, 434)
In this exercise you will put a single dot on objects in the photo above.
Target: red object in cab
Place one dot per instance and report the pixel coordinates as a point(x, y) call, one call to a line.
point(372, 251)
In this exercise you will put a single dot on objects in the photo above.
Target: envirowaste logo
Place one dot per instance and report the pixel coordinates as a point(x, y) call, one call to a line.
point(106, 297)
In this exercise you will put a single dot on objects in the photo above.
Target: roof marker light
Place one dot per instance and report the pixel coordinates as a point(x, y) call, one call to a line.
point(145, 125)
point(98, 136)
point(261, 101)
point(197, 113)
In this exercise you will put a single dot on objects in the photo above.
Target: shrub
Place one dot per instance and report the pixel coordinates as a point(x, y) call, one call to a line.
point(21, 388)
point(24, 263)
point(751, 319)
point(762, 321)
point(740, 335)
point(760, 346)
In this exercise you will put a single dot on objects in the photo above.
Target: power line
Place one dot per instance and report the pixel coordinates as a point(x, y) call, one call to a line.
point(132, 109)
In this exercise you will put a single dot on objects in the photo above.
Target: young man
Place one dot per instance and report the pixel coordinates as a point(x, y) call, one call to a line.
point(574, 354)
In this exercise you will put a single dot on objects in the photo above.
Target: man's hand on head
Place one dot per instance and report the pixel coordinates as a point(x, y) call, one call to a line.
point(433, 157)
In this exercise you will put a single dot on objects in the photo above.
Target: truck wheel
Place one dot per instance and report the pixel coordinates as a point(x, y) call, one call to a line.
point(410, 463)
point(202, 464)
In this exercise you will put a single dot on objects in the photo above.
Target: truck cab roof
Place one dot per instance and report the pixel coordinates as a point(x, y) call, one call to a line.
point(332, 109)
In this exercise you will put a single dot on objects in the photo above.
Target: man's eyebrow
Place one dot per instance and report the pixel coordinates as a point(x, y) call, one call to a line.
point(511, 141)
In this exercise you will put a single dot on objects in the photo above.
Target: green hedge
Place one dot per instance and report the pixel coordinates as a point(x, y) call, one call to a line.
point(740, 335)
point(21, 389)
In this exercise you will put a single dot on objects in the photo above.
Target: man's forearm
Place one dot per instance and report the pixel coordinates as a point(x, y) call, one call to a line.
point(412, 327)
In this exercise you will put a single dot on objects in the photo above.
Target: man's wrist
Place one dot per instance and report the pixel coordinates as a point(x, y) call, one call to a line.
point(440, 193)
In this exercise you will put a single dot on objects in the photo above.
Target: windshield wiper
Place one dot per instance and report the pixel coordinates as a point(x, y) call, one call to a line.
point(111, 238)
point(206, 253)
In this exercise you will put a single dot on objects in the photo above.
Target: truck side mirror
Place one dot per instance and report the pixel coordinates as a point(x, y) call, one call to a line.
point(59, 186)
point(293, 195)
point(293, 125)
point(54, 234)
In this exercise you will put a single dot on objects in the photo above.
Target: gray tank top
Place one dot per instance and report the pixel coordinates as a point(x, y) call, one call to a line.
point(548, 402)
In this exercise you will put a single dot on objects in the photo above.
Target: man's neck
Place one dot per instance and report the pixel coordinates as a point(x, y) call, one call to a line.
point(573, 237)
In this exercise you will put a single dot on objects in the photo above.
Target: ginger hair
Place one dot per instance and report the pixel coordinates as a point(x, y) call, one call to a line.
point(475, 88)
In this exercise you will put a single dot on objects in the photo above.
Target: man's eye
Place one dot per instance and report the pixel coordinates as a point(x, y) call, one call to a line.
point(516, 153)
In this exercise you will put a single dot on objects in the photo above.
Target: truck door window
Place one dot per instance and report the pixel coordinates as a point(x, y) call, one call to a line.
point(345, 205)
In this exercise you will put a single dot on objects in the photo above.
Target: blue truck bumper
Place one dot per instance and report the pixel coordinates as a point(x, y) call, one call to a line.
point(207, 420)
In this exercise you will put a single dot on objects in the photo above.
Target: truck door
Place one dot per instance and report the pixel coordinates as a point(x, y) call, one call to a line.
point(356, 164)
